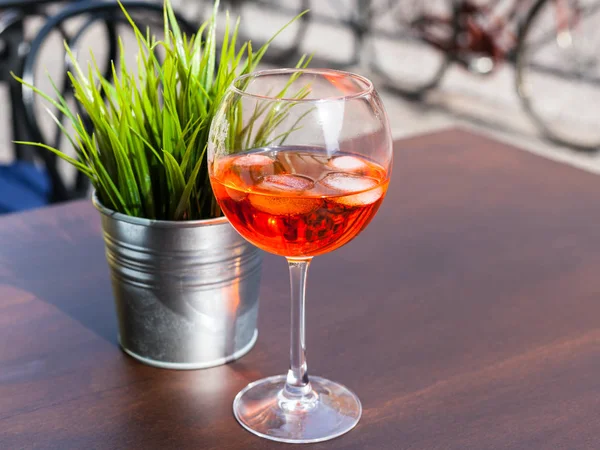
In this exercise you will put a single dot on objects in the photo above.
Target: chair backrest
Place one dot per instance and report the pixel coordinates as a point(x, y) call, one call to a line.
point(82, 14)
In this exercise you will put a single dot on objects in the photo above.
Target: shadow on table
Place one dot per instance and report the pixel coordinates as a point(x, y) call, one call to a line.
point(58, 256)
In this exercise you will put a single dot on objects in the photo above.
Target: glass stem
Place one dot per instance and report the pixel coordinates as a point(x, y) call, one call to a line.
point(297, 384)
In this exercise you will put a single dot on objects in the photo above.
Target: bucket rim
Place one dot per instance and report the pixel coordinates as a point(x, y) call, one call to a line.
point(153, 222)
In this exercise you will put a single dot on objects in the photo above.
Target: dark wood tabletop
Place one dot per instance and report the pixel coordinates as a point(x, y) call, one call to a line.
point(467, 316)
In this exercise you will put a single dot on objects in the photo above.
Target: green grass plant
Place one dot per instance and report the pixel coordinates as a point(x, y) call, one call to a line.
point(145, 152)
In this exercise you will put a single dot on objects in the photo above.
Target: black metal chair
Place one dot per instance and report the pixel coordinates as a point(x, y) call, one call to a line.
point(23, 184)
point(110, 16)
point(13, 48)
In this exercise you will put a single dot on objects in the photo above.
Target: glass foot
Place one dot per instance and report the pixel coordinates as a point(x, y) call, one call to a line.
point(329, 411)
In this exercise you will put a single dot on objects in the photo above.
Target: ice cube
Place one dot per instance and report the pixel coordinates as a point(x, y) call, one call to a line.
point(232, 185)
point(285, 183)
point(363, 199)
point(253, 160)
point(310, 164)
point(284, 205)
point(252, 168)
point(362, 190)
point(349, 183)
point(349, 163)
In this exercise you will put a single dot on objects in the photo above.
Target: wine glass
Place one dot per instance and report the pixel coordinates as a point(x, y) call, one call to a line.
point(299, 162)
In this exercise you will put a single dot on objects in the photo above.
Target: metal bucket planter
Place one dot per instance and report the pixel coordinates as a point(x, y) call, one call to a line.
point(186, 293)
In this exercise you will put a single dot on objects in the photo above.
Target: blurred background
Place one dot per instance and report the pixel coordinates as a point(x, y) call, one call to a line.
point(523, 71)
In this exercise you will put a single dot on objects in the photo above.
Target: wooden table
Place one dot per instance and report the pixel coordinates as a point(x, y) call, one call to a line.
point(467, 316)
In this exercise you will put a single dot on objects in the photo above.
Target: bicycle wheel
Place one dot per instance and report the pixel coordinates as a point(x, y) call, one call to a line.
point(410, 43)
point(558, 70)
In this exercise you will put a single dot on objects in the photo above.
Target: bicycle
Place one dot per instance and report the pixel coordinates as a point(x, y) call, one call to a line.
point(552, 44)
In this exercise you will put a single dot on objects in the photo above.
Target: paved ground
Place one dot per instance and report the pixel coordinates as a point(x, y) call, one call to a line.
point(489, 105)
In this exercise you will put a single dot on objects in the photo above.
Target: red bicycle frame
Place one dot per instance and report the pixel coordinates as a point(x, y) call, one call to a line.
point(482, 30)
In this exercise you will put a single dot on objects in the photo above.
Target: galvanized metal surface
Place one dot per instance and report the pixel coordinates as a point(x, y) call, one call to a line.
point(186, 293)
